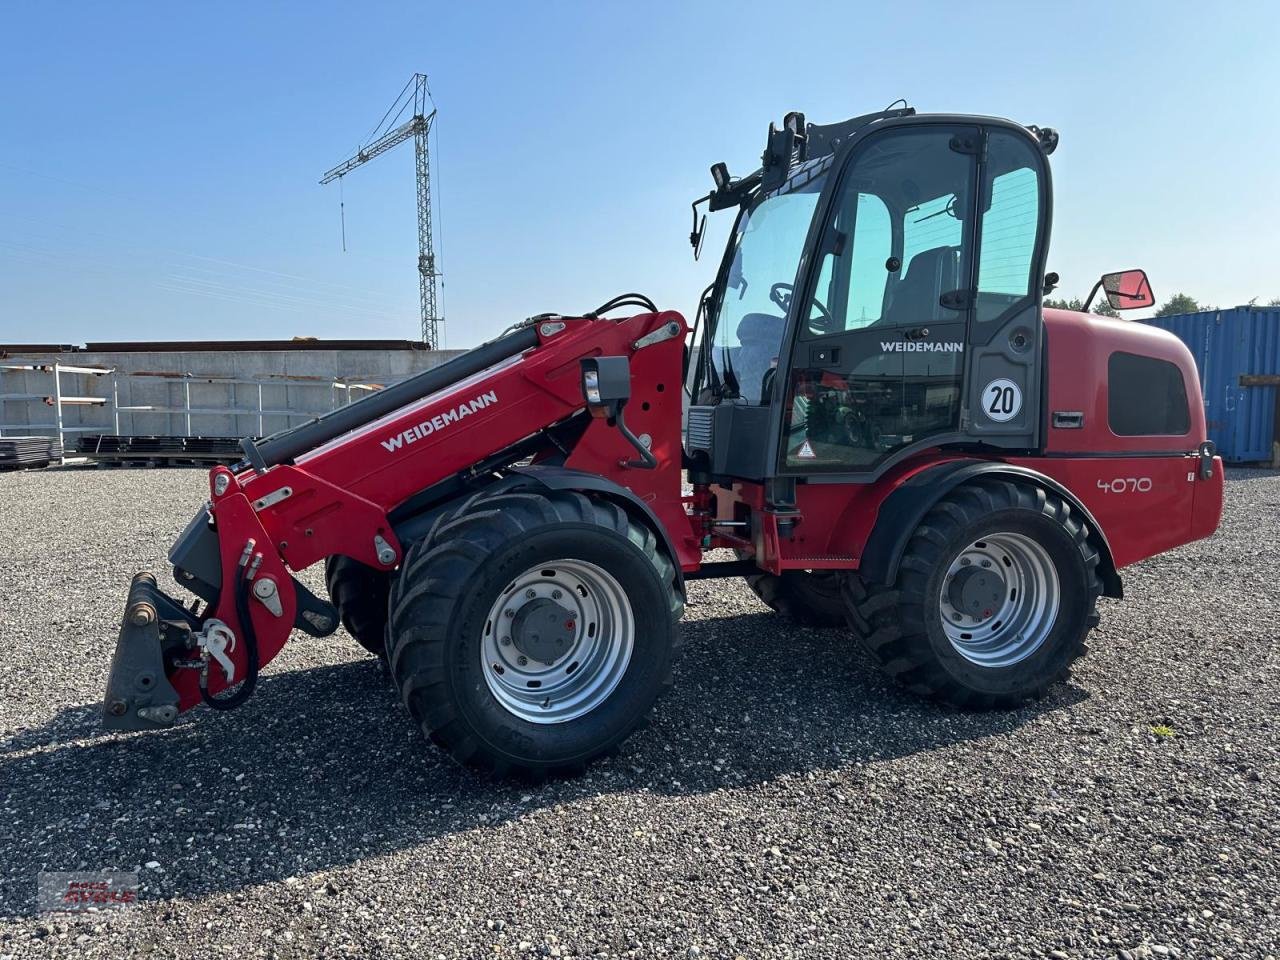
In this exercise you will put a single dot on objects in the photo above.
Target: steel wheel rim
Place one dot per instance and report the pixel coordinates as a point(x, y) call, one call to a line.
point(1020, 624)
point(581, 678)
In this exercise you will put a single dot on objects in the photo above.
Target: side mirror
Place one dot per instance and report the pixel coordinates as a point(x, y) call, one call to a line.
point(699, 226)
point(1126, 290)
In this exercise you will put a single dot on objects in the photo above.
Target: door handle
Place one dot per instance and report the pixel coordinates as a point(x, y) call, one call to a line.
point(956, 299)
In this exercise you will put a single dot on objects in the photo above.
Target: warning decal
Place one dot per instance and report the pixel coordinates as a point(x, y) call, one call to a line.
point(805, 452)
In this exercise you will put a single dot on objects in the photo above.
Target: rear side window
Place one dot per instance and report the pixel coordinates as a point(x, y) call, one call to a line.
point(1146, 397)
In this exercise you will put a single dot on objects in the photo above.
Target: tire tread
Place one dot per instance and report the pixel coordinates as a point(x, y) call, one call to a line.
point(360, 594)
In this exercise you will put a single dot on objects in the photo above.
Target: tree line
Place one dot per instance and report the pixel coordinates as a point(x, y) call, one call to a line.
point(1178, 303)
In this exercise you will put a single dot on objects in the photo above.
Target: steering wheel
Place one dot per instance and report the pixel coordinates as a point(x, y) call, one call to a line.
point(782, 295)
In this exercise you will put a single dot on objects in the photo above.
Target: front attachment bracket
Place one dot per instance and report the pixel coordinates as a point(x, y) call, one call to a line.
point(139, 695)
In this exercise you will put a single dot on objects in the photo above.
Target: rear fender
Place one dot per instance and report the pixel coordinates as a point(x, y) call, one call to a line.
point(903, 509)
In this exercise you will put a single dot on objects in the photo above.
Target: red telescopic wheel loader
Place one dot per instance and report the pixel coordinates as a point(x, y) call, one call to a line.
point(872, 410)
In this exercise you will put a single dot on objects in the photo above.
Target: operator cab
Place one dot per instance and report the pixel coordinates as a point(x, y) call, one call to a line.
point(880, 294)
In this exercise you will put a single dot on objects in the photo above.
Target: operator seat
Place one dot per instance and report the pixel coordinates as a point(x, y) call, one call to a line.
point(761, 337)
point(929, 275)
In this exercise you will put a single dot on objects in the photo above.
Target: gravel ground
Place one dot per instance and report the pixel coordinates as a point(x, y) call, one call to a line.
point(787, 801)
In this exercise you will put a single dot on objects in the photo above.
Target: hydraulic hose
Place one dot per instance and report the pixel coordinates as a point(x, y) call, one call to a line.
point(625, 300)
point(252, 661)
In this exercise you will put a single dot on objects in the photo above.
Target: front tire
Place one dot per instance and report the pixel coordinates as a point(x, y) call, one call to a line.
point(531, 633)
point(993, 600)
point(360, 594)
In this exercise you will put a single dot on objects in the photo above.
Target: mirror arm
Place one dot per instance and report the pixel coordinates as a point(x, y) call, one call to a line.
point(1088, 301)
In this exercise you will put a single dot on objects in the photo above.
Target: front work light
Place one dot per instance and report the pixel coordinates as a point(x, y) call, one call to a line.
point(606, 384)
point(606, 388)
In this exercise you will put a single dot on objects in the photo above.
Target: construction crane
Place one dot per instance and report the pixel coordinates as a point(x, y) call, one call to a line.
point(391, 132)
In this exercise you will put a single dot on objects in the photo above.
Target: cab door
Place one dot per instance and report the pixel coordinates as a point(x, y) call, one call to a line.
point(919, 302)
point(1006, 328)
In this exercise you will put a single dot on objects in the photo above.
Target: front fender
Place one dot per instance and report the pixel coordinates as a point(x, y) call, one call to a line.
point(564, 478)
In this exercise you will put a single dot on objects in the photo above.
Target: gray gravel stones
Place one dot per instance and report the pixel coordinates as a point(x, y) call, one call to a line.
point(787, 801)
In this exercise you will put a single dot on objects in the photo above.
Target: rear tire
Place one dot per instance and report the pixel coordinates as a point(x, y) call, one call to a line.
point(360, 594)
point(1028, 628)
point(467, 660)
point(809, 598)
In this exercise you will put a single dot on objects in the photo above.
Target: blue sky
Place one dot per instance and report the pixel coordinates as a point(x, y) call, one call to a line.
point(158, 177)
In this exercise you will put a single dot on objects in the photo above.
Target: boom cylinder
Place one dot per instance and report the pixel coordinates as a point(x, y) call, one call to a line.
point(282, 447)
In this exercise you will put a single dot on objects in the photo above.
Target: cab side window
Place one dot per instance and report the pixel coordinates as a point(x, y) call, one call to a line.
point(890, 257)
point(931, 225)
point(850, 292)
point(1010, 219)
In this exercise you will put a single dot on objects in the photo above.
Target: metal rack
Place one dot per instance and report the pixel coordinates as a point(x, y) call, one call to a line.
point(338, 387)
point(57, 400)
point(341, 392)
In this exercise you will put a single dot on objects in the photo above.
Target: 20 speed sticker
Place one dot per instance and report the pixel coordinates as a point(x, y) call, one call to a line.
point(1001, 400)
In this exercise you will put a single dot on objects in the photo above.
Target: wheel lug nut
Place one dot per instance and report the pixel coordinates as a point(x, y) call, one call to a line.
point(965, 561)
point(529, 594)
point(522, 660)
point(505, 641)
point(510, 614)
point(556, 594)
point(986, 563)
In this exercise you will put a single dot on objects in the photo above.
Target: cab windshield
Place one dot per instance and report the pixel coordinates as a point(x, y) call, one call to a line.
point(748, 313)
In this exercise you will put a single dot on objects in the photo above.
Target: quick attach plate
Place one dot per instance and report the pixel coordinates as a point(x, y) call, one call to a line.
point(139, 695)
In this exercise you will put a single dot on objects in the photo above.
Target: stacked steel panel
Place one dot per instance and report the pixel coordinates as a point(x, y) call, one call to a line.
point(18, 453)
point(105, 447)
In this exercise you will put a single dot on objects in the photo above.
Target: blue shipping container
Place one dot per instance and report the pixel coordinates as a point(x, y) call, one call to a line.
point(1227, 345)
